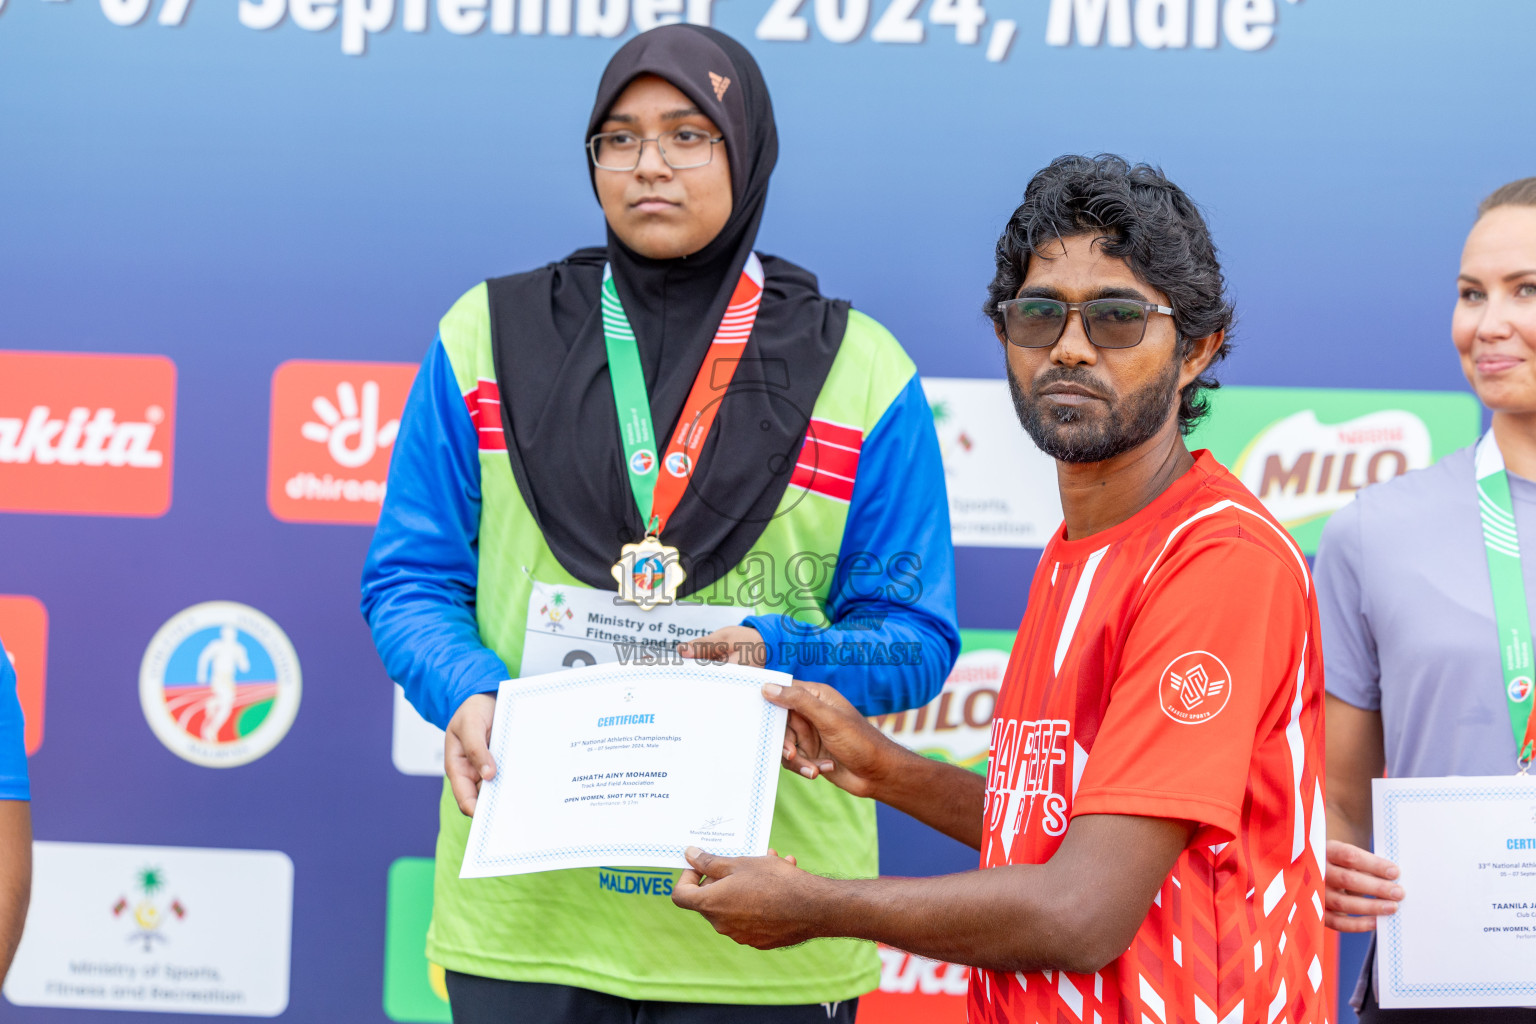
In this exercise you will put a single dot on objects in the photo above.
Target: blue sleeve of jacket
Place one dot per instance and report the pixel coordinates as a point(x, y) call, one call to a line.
point(420, 577)
point(894, 636)
point(13, 743)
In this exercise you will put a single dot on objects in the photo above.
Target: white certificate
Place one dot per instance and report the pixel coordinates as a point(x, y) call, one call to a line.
point(1465, 932)
point(627, 766)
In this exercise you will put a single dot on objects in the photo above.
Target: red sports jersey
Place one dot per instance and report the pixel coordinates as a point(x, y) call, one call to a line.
point(1169, 667)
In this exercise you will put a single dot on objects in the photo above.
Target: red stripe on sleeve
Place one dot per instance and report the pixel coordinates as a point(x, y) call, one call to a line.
point(828, 462)
point(485, 412)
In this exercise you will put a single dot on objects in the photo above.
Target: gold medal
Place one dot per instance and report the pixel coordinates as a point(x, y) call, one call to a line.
point(648, 573)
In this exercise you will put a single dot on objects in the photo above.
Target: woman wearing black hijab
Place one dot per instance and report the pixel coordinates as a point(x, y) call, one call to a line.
point(672, 416)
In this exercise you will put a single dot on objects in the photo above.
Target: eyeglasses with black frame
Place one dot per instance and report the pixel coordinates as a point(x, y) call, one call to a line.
point(682, 148)
point(1109, 323)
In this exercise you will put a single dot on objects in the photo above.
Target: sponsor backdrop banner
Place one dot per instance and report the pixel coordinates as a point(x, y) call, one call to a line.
point(1307, 451)
point(231, 228)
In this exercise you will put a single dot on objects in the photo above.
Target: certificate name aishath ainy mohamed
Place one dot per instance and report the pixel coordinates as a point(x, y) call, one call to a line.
point(623, 765)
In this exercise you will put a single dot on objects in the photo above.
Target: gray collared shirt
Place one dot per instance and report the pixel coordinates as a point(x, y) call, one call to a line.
point(1407, 619)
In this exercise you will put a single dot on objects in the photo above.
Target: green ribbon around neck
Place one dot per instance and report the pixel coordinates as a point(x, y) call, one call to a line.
point(1502, 544)
point(634, 405)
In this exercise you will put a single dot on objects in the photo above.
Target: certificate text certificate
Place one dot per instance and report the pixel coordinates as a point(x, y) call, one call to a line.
point(1465, 932)
point(622, 765)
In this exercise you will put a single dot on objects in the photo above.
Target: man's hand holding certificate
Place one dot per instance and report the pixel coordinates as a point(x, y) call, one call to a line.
point(624, 765)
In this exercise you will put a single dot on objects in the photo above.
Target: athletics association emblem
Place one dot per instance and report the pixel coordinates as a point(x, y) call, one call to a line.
point(147, 913)
point(647, 577)
point(641, 462)
point(1195, 688)
point(220, 684)
point(1520, 689)
point(678, 464)
point(648, 574)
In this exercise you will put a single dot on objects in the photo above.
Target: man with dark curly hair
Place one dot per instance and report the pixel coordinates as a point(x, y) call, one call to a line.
point(1150, 822)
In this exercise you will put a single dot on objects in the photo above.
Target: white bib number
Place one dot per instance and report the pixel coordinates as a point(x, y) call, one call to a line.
point(571, 626)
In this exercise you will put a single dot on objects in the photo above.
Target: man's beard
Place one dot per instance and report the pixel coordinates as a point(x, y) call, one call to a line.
point(1065, 434)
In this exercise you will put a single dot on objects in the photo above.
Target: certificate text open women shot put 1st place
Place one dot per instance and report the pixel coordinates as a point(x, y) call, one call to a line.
point(623, 765)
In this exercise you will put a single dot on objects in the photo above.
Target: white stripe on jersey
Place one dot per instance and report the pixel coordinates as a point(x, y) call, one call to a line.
point(1293, 740)
point(1075, 609)
point(1229, 503)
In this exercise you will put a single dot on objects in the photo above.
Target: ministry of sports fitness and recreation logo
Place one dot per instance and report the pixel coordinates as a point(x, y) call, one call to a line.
point(220, 684)
point(333, 427)
point(978, 431)
point(149, 909)
point(1195, 688)
point(955, 441)
point(557, 610)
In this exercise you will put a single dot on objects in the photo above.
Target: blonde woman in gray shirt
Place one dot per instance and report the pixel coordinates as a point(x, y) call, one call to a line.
point(1415, 681)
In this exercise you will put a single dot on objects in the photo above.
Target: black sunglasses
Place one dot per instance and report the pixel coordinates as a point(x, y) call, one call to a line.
point(1109, 323)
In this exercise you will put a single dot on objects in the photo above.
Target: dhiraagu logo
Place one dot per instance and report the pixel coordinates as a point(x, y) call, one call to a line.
point(415, 991)
point(1306, 452)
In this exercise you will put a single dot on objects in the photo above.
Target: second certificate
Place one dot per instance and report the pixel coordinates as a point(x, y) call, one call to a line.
point(619, 765)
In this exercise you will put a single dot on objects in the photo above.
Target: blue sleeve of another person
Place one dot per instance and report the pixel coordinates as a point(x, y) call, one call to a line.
point(13, 746)
point(894, 636)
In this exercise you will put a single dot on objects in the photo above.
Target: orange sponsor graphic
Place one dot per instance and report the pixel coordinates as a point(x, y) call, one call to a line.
point(86, 433)
point(333, 428)
point(916, 990)
point(24, 634)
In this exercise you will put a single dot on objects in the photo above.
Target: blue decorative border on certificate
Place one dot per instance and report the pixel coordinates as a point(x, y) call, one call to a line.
point(766, 737)
point(1518, 789)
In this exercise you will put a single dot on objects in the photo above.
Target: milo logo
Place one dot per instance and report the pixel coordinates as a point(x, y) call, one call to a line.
point(956, 726)
point(1306, 452)
point(1303, 469)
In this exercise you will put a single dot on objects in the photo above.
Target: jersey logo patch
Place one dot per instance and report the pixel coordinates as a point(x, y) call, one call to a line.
point(1195, 688)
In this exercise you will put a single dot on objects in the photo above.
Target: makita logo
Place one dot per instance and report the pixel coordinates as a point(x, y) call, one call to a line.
point(906, 973)
point(86, 433)
point(85, 437)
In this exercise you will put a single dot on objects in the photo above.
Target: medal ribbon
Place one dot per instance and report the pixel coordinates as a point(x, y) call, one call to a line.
point(1509, 608)
point(657, 493)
